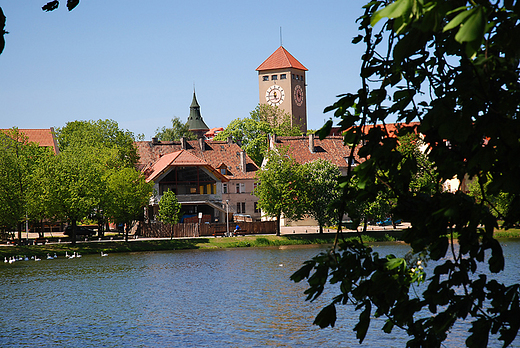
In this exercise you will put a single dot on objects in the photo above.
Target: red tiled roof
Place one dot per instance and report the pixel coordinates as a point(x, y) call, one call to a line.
point(42, 137)
point(215, 154)
point(281, 59)
point(178, 158)
point(330, 149)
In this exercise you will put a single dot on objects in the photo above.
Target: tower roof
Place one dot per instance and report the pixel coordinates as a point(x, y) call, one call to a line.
point(195, 121)
point(281, 59)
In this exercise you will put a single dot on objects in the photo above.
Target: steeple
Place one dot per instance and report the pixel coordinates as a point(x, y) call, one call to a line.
point(195, 122)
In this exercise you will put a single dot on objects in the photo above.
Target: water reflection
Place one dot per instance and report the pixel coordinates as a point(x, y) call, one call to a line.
point(217, 298)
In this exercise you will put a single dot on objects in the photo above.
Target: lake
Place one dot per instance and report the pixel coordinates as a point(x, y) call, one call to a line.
point(195, 298)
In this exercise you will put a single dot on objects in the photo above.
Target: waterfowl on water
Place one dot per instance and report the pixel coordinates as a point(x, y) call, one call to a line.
point(103, 254)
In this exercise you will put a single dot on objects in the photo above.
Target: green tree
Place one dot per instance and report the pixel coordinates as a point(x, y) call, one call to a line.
point(18, 160)
point(129, 194)
point(169, 209)
point(322, 189)
point(73, 180)
point(100, 133)
point(454, 66)
point(252, 132)
point(281, 187)
point(176, 132)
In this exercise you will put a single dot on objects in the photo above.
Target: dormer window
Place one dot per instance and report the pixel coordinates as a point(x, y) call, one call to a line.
point(223, 171)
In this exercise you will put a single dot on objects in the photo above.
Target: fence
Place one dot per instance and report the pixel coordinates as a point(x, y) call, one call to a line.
point(160, 230)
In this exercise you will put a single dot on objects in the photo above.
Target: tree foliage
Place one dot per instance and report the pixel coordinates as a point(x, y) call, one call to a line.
point(176, 132)
point(169, 209)
point(281, 187)
point(454, 66)
point(252, 132)
point(321, 186)
point(128, 194)
point(100, 133)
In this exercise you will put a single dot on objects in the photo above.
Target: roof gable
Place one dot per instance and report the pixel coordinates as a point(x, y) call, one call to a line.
point(281, 59)
point(178, 158)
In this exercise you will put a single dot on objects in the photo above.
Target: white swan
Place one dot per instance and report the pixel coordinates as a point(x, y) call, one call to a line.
point(103, 254)
point(49, 257)
point(36, 258)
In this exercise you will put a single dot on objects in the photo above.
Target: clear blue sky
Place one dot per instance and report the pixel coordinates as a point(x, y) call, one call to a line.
point(136, 62)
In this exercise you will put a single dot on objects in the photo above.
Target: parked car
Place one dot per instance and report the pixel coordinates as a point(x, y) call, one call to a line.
point(80, 231)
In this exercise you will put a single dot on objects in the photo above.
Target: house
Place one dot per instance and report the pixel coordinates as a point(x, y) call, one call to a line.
point(43, 137)
point(305, 149)
point(228, 171)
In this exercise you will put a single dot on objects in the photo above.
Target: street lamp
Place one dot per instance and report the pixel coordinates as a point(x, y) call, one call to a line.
point(227, 216)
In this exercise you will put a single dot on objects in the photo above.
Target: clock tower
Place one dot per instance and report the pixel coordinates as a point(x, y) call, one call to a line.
point(281, 80)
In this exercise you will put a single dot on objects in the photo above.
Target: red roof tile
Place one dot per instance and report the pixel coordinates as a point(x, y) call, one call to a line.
point(330, 149)
point(178, 158)
point(281, 59)
point(42, 137)
point(215, 154)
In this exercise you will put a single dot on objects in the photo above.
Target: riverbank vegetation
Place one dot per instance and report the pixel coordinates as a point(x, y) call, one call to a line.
point(109, 247)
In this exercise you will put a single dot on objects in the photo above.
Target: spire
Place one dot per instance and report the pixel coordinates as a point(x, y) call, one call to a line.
point(195, 121)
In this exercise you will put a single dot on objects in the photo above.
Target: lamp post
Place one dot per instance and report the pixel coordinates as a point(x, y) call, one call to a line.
point(227, 216)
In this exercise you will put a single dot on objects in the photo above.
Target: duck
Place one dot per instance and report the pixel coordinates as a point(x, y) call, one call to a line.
point(103, 254)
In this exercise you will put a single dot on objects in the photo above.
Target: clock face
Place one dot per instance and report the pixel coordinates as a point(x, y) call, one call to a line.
point(298, 95)
point(274, 95)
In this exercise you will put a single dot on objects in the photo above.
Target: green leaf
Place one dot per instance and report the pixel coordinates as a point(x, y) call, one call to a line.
point(326, 317)
point(324, 131)
point(71, 4)
point(459, 19)
point(473, 27)
point(361, 327)
point(394, 10)
point(51, 6)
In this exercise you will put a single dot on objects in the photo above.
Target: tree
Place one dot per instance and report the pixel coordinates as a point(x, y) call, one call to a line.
point(175, 133)
point(322, 190)
point(454, 66)
point(18, 160)
point(169, 209)
point(129, 194)
point(100, 133)
point(73, 180)
point(281, 187)
point(252, 132)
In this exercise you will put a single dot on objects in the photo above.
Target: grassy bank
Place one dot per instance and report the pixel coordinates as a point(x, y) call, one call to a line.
point(175, 244)
point(199, 243)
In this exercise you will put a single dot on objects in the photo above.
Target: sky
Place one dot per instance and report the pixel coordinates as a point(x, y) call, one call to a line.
point(138, 62)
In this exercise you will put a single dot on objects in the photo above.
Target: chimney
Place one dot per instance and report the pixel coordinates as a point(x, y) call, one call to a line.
point(311, 143)
point(230, 140)
point(183, 143)
point(202, 144)
point(243, 163)
point(155, 141)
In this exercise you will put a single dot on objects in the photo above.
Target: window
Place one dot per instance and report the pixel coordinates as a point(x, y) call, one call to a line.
point(274, 77)
point(265, 78)
point(257, 210)
point(283, 76)
point(223, 171)
point(241, 207)
point(240, 188)
point(255, 185)
point(301, 78)
point(224, 188)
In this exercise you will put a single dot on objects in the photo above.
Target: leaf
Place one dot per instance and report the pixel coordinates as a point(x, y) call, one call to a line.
point(324, 131)
point(51, 6)
point(394, 10)
point(326, 317)
point(459, 19)
point(71, 4)
point(473, 27)
point(361, 327)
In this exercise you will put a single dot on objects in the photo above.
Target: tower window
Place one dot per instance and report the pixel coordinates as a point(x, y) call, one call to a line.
point(283, 76)
point(265, 78)
point(274, 77)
